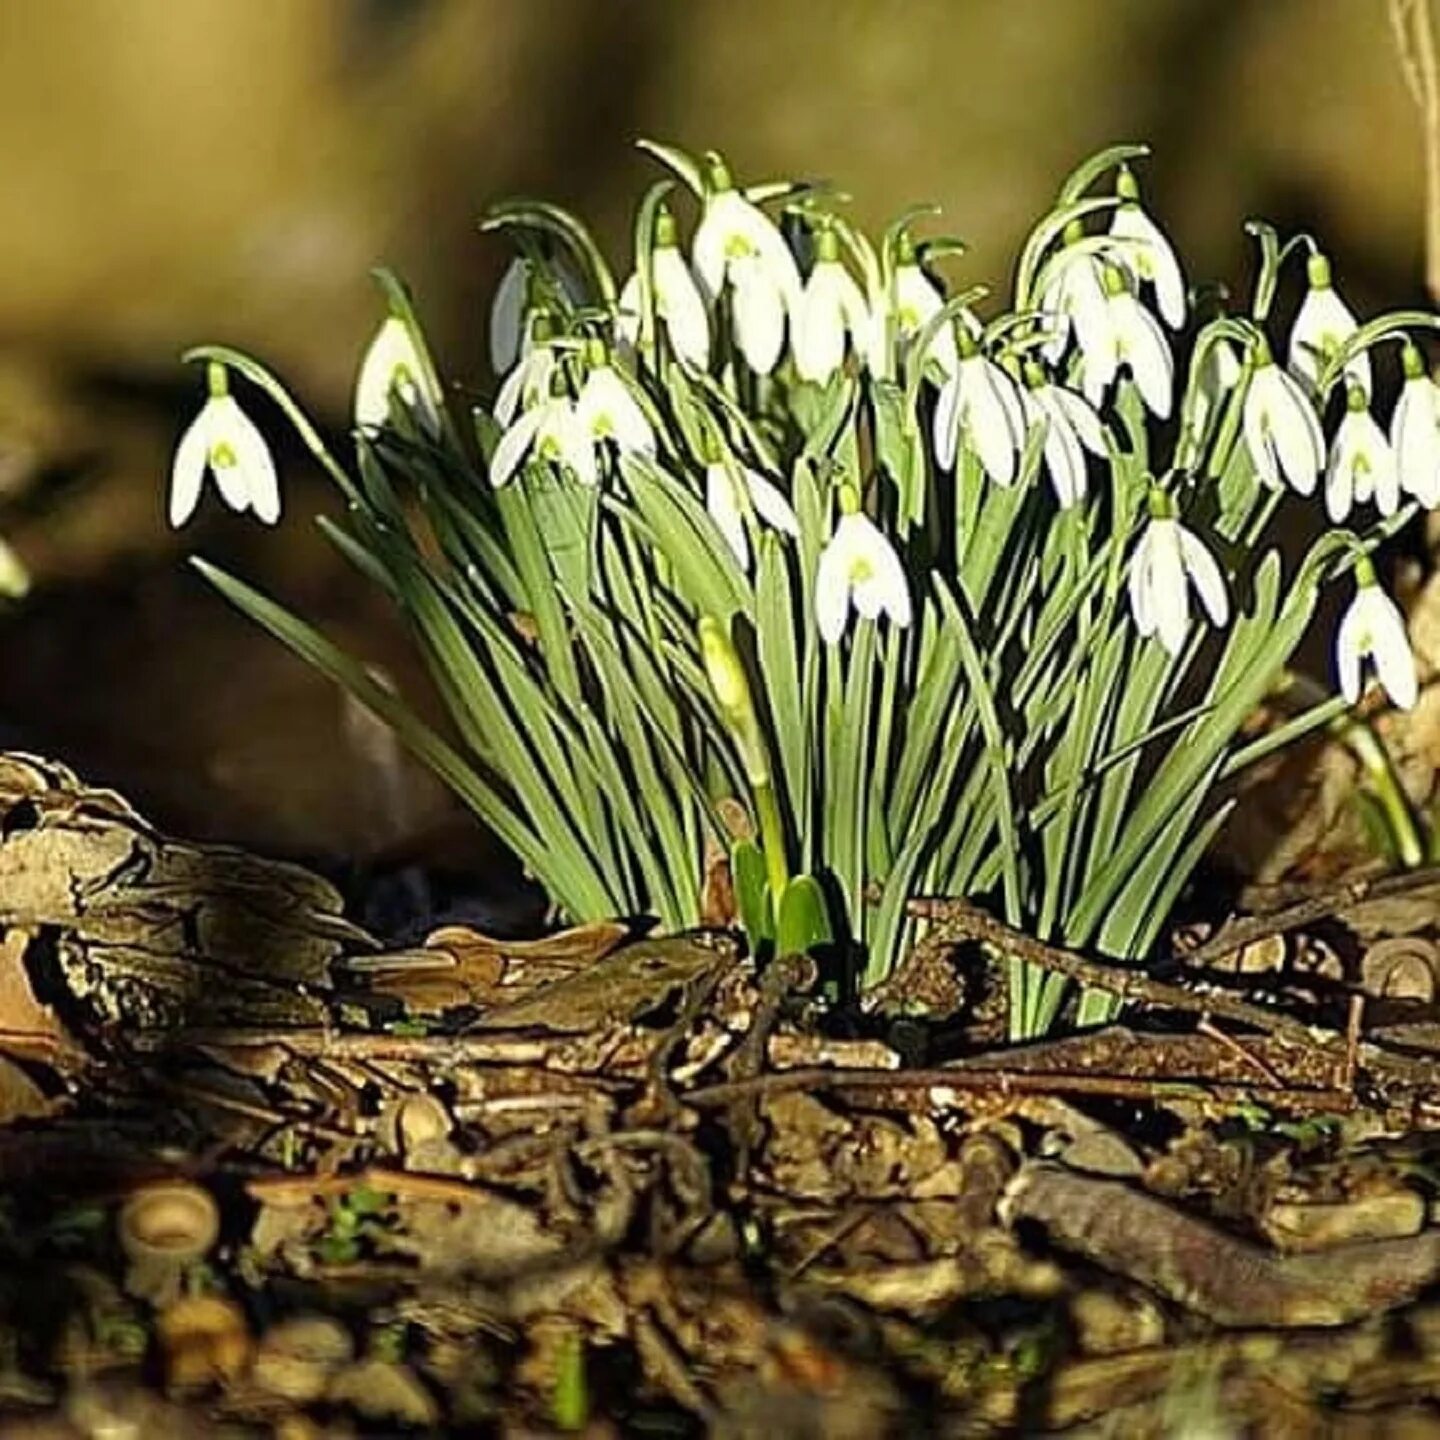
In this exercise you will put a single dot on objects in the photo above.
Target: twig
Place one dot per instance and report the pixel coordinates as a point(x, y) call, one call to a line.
point(1007, 1082)
point(955, 921)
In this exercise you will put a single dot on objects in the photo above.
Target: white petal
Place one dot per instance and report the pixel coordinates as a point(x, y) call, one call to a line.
point(627, 312)
point(1141, 586)
point(678, 299)
point(947, 422)
point(1349, 642)
point(1394, 662)
point(877, 577)
point(393, 363)
point(507, 313)
point(1322, 324)
point(1204, 572)
point(607, 410)
point(1339, 478)
point(1168, 595)
point(709, 252)
point(187, 470)
point(256, 467)
point(1294, 429)
point(916, 303)
point(1155, 261)
point(1415, 435)
point(832, 588)
point(574, 441)
point(759, 316)
point(1064, 458)
point(513, 444)
point(770, 503)
point(1079, 414)
point(1146, 349)
point(986, 420)
point(819, 336)
point(725, 512)
point(759, 231)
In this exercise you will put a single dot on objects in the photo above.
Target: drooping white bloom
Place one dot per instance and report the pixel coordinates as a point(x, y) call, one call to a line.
point(1147, 254)
point(1071, 428)
point(1131, 336)
point(738, 244)
point(831, 309)
point(1072, 295)
point(1323, 324)
point(549, 431)
point(727, 504)
point(858, 567)
point(678, 301)
point(980, 404)
point(914, 302)
point(393, 366)
point(1282, 431)
point(1167, 561)
point(1374, 628)
point(607, 410)
point(225, 441)
point(1362, 464)
point(527, 384)
point(1415, 432)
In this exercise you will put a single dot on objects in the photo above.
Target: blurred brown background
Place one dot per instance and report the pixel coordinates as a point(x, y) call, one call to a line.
point(229, 170)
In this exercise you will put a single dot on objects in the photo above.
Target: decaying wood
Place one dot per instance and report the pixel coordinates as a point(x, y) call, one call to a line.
point(1225, 1279)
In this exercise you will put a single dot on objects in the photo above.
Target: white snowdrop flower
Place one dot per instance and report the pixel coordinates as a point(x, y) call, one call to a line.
point(731, 490)
point(913, 303)
point(507, 316)
point(1167, 561)
point(1373, 628)
point(738, 244)
point(980, 404)
point(1132, 337)
point(1146, 253)
point(1415, 431)
point(678, 301)
point(1362, 464)
point(549, 431)
point(1072, 294)
point(1282, 431)
point(1071, 428)
point(858, 567)
point(606, 410)
point(224, 440)
point(1323, 324)
point(393, 366)
point(527, 384)
point(831, 309)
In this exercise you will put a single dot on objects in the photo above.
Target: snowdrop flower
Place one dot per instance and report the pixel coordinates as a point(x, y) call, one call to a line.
point(606, 410)
point(980, 403)
point(738, 244)
point(1133, 337)
point(529, 382)
point(393, 366)
point(1072, 427)
point(1415, 431)
point(1374, 628)
point(1072, 293)
point(1282, 431)
point(1167, 557)
point(831, 308)
point(858, 567)
point(1323, 324)
point(678, 301)
point(549, 431)
point(733, 490)
point(1362, 464)
point(912, 303)
point(1146, 253)
point(225, 441)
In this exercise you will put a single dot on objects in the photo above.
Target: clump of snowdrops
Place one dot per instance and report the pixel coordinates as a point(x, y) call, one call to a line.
point(784, 552)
